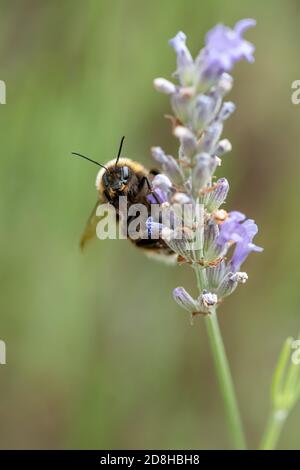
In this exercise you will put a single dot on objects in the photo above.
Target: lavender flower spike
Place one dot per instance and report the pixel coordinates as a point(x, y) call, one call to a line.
point(196, 228)
point(198, 232)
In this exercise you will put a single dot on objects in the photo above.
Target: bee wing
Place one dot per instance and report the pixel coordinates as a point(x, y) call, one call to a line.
point(90, 228)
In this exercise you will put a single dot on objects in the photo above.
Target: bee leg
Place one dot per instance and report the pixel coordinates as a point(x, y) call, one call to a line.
point(143, 181)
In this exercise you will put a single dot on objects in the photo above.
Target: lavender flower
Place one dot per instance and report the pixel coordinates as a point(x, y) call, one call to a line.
point(241, 252)
point(168, 164)
point(200, 232)
point(225, 46)
point(241, 232)
point(158, 196)
point(185, 63)
point(161, 185)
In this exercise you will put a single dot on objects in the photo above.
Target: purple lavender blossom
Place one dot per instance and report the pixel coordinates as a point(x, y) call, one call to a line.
point(225, 46)
point(231, 229)
point(240, 231)
point(161, 185)
point(185, 63)
point(242, 250)
point(162, 182)
point(158, 196)
point(183, 54)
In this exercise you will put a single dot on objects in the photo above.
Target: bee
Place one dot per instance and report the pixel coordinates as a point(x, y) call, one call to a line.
point(125, 177)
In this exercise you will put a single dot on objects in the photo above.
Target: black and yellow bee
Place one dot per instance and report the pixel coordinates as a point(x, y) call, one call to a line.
point(125, 177)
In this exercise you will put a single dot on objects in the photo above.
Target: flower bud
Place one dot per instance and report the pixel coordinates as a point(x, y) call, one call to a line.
point(183, 298)
point(181, 104)
point(227, 109)
point(224, 146)
point(176, 241)
point(227, 286)
point(203, 112)
point(188, 185)
point(211, 137)
point(204, 167)
point(184, 57)
point(218, 196)
point(164, 86)
point(162, 182)
point(215, 275)
point(230, 282)
point(187, 140)
point(169, 165)
point(210, 248)
point(181, 198)
point(185, 63)
point(224, 84)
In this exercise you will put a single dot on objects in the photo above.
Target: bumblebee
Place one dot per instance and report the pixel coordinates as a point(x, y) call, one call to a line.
point(125, 177)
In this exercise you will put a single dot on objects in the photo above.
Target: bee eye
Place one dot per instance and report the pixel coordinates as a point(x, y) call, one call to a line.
point(125, 172)
point(105, 179)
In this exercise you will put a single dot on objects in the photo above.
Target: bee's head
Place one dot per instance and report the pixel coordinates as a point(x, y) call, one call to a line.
point(116, 178)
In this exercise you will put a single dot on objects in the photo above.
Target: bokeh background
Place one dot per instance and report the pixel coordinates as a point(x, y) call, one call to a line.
point(98, 354)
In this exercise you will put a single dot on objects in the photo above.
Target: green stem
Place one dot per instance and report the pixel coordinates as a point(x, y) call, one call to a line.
point(222, 369)
point(273, 429)
point(225, 381)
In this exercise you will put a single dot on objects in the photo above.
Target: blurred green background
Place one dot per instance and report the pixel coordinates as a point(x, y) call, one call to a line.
point(98, 354)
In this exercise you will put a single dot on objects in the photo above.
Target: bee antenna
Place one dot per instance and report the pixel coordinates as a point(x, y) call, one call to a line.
point(120, 149)
point(89, 159)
